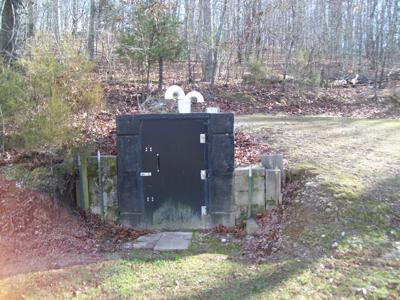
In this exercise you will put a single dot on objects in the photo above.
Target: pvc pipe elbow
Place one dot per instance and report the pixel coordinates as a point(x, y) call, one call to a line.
point(195, 96)
point(174, 92)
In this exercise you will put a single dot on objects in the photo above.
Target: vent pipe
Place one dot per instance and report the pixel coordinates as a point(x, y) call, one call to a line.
point(195, 96)
point(174, 92)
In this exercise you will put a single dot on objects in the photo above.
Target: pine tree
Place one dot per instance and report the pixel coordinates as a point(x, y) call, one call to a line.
point(152, 37)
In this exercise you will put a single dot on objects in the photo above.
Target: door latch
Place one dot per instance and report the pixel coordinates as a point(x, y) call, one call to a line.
point(203, 174)
point(202, 138)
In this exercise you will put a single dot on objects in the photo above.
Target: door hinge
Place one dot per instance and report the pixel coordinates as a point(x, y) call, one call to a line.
point(203, 174)
point(204, 210)
point(203, 138)
point(149, 199)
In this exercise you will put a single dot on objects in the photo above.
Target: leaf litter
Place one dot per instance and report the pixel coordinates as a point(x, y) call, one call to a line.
point(268, 239)
point(34, 227)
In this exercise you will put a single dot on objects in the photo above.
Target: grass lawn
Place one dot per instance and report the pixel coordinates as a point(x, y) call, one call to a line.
point(341, 240)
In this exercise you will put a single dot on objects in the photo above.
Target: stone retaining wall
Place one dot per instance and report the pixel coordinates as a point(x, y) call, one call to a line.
point(109, 182)
point(266, 189)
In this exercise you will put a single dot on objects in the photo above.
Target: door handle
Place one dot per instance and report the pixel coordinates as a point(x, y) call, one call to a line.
point(158, 163)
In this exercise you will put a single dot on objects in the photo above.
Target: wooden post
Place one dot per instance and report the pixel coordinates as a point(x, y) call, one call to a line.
point(83, 183)
point(101, 196)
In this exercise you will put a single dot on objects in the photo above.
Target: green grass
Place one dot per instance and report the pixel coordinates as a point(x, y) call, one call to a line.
point(209, 270)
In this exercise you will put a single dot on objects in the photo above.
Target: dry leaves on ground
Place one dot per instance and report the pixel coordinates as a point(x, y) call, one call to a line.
point(34, 225)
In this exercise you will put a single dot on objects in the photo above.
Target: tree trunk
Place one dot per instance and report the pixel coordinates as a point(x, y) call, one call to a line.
point(160, 73)
point(207, 39)
point(91, 35)
point(99, 14)
point(31, 18)
point(56, 21)
point(148, 77)
point(291, 46)
point(238, 34)
point(187, 38)
point(216, 48)
point(258, 32)
point(75, 18)
point(7, 34)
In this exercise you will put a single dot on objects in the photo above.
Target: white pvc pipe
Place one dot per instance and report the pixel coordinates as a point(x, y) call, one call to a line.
point(195, 96)
point(174, 92)
point(184, 106)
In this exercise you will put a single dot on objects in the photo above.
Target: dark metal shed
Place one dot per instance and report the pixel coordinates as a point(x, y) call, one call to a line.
point(175, 171)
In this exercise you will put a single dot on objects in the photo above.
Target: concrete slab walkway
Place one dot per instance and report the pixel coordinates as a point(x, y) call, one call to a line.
point(164, 241)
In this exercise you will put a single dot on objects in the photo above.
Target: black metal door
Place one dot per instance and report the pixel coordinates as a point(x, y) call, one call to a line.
point(173, 158)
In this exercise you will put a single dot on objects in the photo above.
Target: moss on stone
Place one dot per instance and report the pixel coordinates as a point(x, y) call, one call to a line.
point(109, 166)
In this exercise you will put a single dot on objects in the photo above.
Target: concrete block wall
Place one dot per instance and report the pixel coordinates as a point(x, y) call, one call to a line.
point(266, 189)
point(273, 188)
point(241, 190)
point(109, 181)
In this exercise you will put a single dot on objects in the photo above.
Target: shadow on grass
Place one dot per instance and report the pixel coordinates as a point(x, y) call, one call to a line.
point(371, 228)
point(236, 288)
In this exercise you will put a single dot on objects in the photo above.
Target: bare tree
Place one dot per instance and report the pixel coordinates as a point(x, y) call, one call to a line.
point(8, 26)
point(331, 37)
point(207, 41)
point(91, 34)
point(56, 20)
point(216, 48)
point(74, 17)
point(31, 6)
